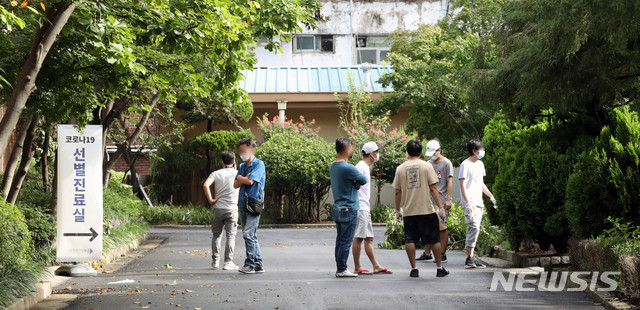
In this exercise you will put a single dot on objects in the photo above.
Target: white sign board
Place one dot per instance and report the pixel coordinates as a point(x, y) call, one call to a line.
point(79, 194)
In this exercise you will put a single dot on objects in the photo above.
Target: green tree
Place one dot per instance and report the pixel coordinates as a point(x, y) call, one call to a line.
point(576, 57)
point(431, 71)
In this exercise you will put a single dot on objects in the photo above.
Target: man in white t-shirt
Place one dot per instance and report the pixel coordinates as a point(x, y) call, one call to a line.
point(225, 210)
point(364, 228)
point(471, 188)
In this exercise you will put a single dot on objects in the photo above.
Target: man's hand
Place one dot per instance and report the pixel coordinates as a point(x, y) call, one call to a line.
point(447, 205)
point(399, 215)
point(357, 185)
point(213, 201)
point(442, 214)
point(495, 203)
point(468, 209)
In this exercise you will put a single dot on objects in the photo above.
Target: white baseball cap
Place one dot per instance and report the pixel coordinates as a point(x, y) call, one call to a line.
point(370, 147)
point(432, 147)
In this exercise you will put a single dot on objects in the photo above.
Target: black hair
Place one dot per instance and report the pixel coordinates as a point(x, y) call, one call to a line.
point(342, 144)
point(247, 141)
point(228, 158)
point(414, 148)
point(365, 155)
point(474, 144)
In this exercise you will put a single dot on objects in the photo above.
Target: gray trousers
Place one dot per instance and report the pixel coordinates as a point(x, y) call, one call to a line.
point(473, 221)
point(227, 219)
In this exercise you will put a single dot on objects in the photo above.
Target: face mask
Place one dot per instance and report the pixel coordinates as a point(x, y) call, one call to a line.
point(480, 154)
point(245, 157)
point(375, 159)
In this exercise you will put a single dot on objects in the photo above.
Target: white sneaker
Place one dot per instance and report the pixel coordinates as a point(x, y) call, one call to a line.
point(230, 266)
point(215, 265)
point(345, 274)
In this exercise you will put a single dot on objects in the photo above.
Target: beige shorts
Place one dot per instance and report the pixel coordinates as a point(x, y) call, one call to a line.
point(364, 228)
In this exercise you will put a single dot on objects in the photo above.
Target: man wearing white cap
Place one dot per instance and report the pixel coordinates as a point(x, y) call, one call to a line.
point(364, 228)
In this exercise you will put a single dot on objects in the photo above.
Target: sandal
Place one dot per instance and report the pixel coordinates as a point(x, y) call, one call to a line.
point(385, 271)
point(364, 271)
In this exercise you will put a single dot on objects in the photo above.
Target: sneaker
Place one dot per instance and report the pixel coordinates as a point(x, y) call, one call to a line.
point(230, 266)
point(479, 263)
point(215, 265)
point(442, 273)
point(444, 258)
point(247, 269)
point(425, 256)
point(259, 269)
point(469, 263)
point(345, 274)
point(414, 273)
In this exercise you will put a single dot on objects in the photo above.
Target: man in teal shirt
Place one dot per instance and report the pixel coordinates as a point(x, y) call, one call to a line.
point(345, 182)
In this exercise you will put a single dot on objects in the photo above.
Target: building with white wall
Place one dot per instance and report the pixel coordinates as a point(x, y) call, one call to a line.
point(354, 32)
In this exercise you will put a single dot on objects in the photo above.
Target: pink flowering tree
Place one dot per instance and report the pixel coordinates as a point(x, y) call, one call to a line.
point(361, 127)
point(272, 126)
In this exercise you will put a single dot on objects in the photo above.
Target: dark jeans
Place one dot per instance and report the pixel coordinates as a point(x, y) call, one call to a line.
point(346, 221)
point(249, 228)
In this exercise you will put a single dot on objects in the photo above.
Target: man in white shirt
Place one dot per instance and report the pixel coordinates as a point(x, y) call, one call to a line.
point(225, 210)
point(471, 188)
point(364, 228)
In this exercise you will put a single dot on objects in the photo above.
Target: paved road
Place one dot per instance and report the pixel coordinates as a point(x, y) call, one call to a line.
point(300, 275)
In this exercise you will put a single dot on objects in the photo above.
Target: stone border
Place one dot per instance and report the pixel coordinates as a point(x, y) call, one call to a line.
point(608, 300)
point(44, 289)
point(524, 261)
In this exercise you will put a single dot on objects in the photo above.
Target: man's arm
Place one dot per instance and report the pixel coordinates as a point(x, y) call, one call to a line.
point(486, 191)
point(398, 200)
point(243, 180)
point(463, 191)
point(207, 190)
point(357, 176)
point(447, 204)
point(435, 194)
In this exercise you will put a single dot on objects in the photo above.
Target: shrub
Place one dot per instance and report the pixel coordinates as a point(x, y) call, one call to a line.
point(14, 237)
point(606, 178)
point(530, 164)
point(297, 169)
point(381, 214)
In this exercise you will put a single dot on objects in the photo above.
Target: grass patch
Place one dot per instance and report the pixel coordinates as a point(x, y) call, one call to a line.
point(179, 215)
point(124, 234)
point(18, 282)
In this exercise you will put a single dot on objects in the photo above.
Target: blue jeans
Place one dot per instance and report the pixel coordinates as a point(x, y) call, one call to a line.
point(346, 222)
point(249, 228)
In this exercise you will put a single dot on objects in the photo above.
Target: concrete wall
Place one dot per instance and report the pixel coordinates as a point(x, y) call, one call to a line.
point(345, 21)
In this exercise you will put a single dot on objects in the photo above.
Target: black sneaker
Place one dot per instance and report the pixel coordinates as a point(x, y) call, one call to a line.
point(414, 273)
point(442, 273)
point(444, 258)
point(469, 263)
point(259, 269)
point(479, 263)
point(425, 256)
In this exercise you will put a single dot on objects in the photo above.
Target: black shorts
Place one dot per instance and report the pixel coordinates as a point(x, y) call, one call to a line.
point(422, 229)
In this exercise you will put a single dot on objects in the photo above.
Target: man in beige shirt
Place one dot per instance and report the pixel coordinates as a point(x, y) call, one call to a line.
point(415, 183)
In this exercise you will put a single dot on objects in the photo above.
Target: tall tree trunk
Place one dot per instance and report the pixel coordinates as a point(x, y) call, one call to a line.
point(25, 161)
point(44, 160)
point(10, 171)
point(26, 84)
point(126, 145)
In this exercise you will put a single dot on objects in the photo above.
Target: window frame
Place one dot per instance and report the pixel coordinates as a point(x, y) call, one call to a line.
point(317, 43)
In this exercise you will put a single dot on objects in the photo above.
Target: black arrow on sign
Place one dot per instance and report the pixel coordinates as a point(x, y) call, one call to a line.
point(93, 234)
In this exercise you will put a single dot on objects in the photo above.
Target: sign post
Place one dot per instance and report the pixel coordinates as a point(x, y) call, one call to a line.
point(79, 189)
